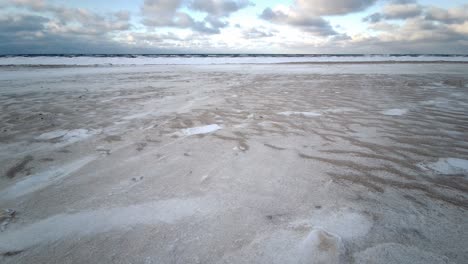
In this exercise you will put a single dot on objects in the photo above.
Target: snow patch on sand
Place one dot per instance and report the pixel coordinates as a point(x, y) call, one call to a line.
point(447, 166)
point(138, 116)
point(86, 223)
point(78, 134)
point(201, 130)
point(395, 112)
point(41, 180)
point(339, 110)
point(317, 113)
point(67, 136)
point(345, 223)
point(52, 134)
point(307, 114)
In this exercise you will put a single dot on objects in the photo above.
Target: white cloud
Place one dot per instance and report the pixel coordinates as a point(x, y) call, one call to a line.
point(166, 13)
point(214, 26)
point(313, 24)
point(219, 8)
point(456, 15)
point(332, 7)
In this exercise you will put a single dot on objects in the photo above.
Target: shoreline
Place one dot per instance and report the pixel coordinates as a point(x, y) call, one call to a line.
point(227, 64)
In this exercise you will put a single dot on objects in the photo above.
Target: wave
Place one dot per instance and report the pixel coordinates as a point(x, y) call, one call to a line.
point(207, 59)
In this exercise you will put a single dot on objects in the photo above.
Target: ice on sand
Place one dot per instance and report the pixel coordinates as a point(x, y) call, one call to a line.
point(67, 136)
point(307, 114)
point(447, 166)
point(201, 130)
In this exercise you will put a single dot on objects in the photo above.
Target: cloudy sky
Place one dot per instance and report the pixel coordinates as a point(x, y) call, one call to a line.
point(233, 26)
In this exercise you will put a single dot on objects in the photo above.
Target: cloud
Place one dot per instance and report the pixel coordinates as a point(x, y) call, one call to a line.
point(77, 20)
point(41, 27)
point(306, 14)
point(409, 9)
point(166, 13)
point(333, 7)
point(373, 18)
point(22, 23)
point(420, 23)
point(313, 24)
point(220, 8)
point(398, 10)
point(425, 27)
point(33, 4)
point(23, 33)
point(402, 11)
point(456, 15)
point(256, 33)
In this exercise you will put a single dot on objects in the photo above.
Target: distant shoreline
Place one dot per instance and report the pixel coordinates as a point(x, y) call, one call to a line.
point(214, 64)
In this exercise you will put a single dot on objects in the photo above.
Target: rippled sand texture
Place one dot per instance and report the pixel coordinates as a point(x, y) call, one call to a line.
point(235, 164)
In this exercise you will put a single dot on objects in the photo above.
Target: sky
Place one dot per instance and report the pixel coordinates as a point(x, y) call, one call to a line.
point(234, 26)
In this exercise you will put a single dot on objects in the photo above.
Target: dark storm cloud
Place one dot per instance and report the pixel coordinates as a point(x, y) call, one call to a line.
point(41, 27)
point(22, 23)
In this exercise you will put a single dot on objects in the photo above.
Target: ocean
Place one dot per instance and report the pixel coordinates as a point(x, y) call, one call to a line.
point(207, 59)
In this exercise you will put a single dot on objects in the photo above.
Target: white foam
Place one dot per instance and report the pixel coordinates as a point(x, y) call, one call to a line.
point(447, 166)
point(201, 130)
point(395, 112)
point(307, 114)
point(41, 180)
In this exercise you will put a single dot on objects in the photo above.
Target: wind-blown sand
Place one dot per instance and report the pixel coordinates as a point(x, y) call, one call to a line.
point(283, 163)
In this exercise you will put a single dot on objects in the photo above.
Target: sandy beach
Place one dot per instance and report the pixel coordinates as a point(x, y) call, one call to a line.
point(271, 163)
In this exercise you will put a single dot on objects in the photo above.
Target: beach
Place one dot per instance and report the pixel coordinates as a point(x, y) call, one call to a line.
point(235, 163)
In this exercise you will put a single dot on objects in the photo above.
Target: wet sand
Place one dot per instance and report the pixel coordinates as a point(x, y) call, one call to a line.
point(290, 163)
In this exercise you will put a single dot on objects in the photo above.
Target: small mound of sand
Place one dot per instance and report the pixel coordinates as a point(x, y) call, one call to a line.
point(345, 223)
point(321, 246)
